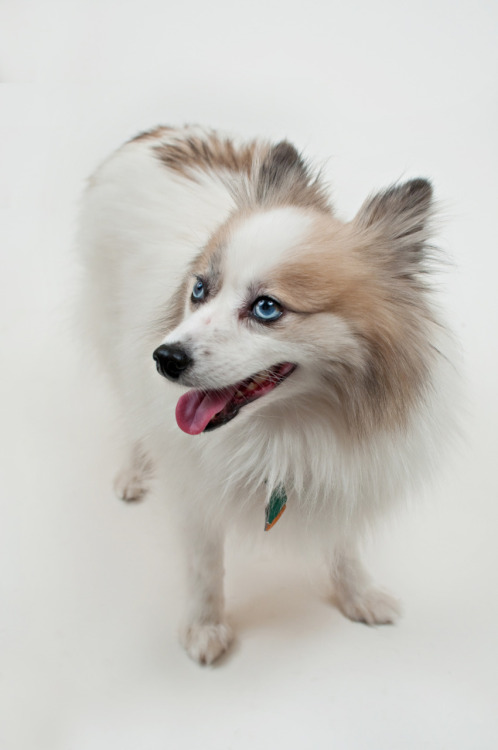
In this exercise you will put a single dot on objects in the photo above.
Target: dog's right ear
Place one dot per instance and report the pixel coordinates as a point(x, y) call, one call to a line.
point(285, 177)
point(400, 216)
point(281, 166)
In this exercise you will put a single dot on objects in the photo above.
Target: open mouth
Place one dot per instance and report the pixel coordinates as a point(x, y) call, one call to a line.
point(202, 411)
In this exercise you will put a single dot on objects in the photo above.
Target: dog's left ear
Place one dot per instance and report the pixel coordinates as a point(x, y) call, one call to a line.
point(399, 219)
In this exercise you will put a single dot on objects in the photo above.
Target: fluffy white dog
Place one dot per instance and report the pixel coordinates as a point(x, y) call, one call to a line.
point(304, 354)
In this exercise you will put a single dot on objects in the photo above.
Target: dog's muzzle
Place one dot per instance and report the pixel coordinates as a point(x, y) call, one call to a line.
point(171, 360)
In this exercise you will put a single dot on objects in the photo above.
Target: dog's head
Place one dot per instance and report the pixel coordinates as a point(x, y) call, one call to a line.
point(288, 305)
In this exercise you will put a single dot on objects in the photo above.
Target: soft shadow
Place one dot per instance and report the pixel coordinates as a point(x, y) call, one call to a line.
point(294, 606)
point(227, 657)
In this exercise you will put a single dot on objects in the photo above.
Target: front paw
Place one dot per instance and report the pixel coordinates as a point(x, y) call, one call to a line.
point(130, 485)
point(372, 606)
point(206, 643)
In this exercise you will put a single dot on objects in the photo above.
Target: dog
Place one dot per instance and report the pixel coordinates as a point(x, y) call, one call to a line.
point(267, 354)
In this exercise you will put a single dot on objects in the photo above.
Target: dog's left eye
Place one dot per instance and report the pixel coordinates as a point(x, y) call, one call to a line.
point(266, 309)
point(199, 291)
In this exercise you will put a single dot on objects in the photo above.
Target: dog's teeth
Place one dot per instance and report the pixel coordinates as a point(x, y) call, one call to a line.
point(260, 379)
point(239, 393)
point(252, 386)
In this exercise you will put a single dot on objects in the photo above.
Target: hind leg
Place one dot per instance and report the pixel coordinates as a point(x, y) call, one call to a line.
point(355, 595)
point(132, 482)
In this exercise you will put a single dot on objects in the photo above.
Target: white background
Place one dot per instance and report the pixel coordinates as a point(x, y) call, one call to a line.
point(91, 589)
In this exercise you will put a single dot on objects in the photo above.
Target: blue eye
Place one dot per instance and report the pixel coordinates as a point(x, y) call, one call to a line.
point(266, 309)
point(199, 291)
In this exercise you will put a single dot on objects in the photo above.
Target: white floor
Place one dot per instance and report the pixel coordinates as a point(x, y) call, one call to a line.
point(91, 588)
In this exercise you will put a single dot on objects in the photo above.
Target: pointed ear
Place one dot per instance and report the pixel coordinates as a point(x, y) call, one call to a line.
point(284, 177)
point(281, 165)
point(400, 217)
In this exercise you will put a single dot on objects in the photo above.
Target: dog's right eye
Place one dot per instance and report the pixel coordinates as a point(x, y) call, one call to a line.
point(199, 291)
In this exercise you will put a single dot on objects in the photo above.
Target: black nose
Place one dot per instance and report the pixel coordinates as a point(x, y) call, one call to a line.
point(171, 360)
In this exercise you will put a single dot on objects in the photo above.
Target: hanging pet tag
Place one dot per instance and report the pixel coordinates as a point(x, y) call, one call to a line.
point(275, 507)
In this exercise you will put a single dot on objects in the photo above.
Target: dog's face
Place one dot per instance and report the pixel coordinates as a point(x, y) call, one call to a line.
point(290, 304)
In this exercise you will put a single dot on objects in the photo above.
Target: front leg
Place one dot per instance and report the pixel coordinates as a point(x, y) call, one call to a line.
point(355, 595)
point(132, 482)
point(205, 634)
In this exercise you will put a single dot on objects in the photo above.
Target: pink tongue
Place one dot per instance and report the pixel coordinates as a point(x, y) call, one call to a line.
point(195, 409)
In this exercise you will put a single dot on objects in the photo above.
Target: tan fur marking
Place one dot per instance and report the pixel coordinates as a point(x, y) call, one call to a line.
point(256, 173)
point(189, 153)
point(206, 264)
point(338, 272)
point(153, 134)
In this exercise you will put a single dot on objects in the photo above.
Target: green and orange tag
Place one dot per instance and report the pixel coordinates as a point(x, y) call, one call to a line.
point(275, 507)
